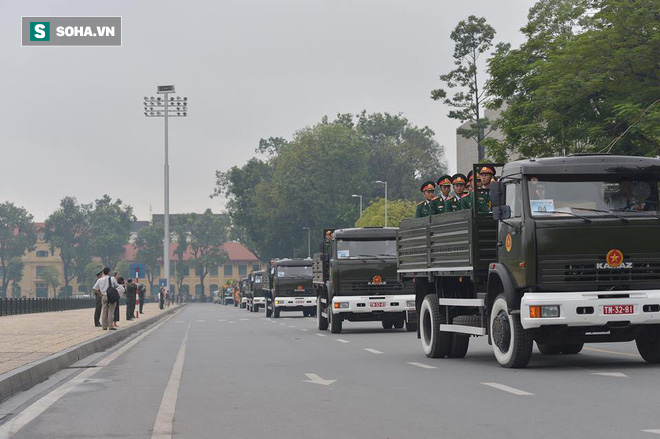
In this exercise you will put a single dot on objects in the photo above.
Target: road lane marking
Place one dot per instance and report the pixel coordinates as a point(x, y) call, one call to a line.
point(605, 351)
point(512, 390)
point(230, 322)
point(291, 326)
point(315, 379)
point(610, 374)
point(651, 431)
point(34, 410)
point(283, 324)
point(243, 320)
point(422, 365)
point(200, 321)
point(321, 335)
point(373, 351)
point(304, 330)
point(341, 340)
point(164, 424)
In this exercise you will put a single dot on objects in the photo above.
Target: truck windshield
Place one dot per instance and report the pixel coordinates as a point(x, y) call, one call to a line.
point(359, 249)
point(291, 271)
point(257, 279)
point(593, 197)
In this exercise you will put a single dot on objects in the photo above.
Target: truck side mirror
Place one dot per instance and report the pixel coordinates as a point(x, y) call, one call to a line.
point(501, 212)
point(496, 194)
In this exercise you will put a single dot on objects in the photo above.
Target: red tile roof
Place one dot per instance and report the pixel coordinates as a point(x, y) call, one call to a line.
point(235, 250)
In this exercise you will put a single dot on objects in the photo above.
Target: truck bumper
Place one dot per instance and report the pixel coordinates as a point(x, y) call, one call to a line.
point(258, 301)
point(367, 304)
point(295, 302)
point(589, 308)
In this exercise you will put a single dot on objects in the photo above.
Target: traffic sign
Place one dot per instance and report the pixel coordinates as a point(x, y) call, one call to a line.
point(139, 269)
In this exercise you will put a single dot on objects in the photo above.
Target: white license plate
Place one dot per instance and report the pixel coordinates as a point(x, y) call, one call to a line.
point(618, 309)
point(377, 304)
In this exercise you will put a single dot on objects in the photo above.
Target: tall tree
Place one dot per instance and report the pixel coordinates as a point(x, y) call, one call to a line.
point(471, 37)
point(397, 210)
point(15, 269)
point(51, 275)
point(149, 246)
point(17, 236)
point(67, 230)
point(208, 233)
point(87, 277)
point(587, 79)
point(110, 229)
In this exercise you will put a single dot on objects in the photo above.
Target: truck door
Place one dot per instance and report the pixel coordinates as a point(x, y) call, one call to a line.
point(510, 234)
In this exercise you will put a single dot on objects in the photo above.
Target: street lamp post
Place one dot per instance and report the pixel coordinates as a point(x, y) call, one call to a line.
point(309, 240)
point(360, 197)
point(385, 184)
point(166, 107)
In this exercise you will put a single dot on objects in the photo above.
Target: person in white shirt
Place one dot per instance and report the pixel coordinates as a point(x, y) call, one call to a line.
point(107, 309)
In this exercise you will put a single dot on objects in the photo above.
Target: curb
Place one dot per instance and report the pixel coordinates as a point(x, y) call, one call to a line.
point(31, 374)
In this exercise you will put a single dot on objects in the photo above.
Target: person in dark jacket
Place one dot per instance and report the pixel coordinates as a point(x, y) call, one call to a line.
point(131, 291)
point(99, 305)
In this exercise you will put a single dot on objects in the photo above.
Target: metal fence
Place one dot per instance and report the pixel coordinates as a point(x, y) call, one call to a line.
point(13, 306)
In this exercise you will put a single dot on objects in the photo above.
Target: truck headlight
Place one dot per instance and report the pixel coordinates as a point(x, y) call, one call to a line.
point(544, 311)
point(339, 305)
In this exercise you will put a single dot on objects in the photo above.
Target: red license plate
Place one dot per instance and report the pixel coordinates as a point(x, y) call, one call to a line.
point(377, 304)
point(618, 309)
point(300, 301)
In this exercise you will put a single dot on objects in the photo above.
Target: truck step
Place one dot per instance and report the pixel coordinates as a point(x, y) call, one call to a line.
point(463, 329)
point(461, 302)
point(468, 321)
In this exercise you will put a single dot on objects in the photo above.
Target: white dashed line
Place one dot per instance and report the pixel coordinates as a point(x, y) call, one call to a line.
point(291, 326)
point(508, 389)
point(373, 351)
point(304, 330)
point(605, 351)
point(611, 374)
point(422, 365)
point(341, 340)
point(651, 431)
point(321, 335)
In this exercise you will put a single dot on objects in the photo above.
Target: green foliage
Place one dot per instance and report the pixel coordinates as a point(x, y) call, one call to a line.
point(110, 229)
point(308, 181)
point(122, 268)
point(67, 230)
point(88, 275)
point(180, 269)
point(586, 80)
point(149, 246)
point(51, 275)
point(397, 210)
point(17, 236)
point(15, 269)
point(471, 37)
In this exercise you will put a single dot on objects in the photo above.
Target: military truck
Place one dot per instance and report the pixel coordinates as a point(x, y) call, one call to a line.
point(258, 285)
point(355, 280)
point(290, 288)
point(243, 291)
point(569, 255)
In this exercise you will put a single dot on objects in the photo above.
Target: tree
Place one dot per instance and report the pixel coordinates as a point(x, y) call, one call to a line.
point(87, 278)
point(208, 233)
point(181, 267)
point(51, 275)
point(15, 269)
point(149, 246)
point(17, 236)
point(397, 210)
point(471, 39)
point(110, 229)
point(67, 230)
point(585, 80)
point(123, 269)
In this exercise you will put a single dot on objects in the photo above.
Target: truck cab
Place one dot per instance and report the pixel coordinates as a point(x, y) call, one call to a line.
point(291, 288)
point(355, 280)
point(258, 285)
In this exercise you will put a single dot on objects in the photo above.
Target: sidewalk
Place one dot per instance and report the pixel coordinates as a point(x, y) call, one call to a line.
point(30, 337)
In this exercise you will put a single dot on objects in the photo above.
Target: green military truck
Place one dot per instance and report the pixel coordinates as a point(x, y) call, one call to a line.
point(257, 288)
point(291, 288)
point(243, 288)
point(355, 280)
point(569, 255)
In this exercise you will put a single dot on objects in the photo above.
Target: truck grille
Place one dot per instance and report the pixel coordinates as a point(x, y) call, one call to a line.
point(364, 287)
point(584, 269)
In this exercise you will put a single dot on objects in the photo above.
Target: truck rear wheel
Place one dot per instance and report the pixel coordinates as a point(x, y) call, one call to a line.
point(276, 312)
point(435, 343)
point(648, 343)
point(459, 345)
point(512, 345)
point(322, 322)
point(269, 311)
point(335, 323)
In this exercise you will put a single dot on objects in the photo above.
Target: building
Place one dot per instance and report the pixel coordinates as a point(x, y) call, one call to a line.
point(466, 148)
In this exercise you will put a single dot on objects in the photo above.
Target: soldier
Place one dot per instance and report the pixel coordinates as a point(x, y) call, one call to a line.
point(439, 204)
point(424, 207)
point(454, 202)
point(483, 196)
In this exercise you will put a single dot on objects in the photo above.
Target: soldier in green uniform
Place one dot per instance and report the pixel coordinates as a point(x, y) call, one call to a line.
point(439, 204)
point(424, 207)
point(453, 203)
point(486, 173)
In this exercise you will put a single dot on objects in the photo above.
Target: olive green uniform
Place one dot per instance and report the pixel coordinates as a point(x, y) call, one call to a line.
point(454, 202)
point(438, 205)
point(483, 201)
point(423, 209)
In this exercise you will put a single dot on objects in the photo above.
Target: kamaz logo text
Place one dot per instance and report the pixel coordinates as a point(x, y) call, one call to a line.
point(606, 266)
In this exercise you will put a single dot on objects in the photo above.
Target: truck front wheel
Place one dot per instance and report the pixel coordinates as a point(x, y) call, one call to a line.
point(435, 343)
point(335, 323)
point(512, 345)
point(648, 343)
point(276, 312)
point(269, 311)
point(322, 322)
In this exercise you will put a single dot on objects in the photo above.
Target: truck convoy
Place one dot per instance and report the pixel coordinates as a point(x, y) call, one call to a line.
point(290, 288)
point(355, 280)
point(569, 255)
point(257, 287)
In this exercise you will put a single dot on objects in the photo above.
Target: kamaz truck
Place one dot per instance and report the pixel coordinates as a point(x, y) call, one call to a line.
point(291, 288)
point(257, 288)
point(569, 254)
point(355, 280)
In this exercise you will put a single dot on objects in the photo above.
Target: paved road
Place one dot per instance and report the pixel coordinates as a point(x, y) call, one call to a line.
point(215, 371)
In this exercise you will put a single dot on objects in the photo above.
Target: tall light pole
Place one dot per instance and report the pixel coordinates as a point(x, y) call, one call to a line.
point(309, 240)
point(360, 197)
point(384, 183)
point(166, 107)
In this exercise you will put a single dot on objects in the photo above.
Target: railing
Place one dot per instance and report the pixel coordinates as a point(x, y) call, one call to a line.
point(15, 306)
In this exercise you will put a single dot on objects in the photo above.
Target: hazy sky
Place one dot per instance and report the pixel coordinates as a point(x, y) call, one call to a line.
point(71, 118)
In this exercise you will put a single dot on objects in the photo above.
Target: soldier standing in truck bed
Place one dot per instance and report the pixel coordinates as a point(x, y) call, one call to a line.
point(453, 203)
point(424, 207)
point(439, 204)
point(483, 196)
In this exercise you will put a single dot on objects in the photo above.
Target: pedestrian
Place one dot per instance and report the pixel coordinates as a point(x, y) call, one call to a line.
point(122, 284)
point(131, 291)
point(107, 309)
point(97, 309)
point(141, 295)
point(161, 298)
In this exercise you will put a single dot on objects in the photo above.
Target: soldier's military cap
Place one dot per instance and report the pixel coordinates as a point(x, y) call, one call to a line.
point(428, 185)
point(487, 170)
point(458, 179)
point(445, 180)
